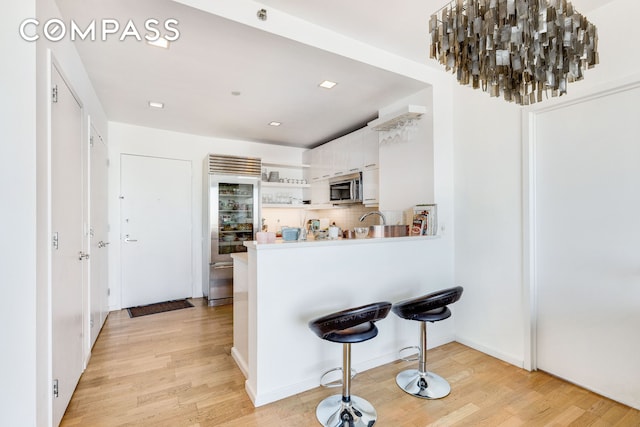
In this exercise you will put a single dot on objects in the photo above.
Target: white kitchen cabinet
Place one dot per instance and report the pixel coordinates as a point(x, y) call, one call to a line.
point(357, 151)
point(354, 151)
point(346, 153)
point(370, 187)
point(339, 148)
point(315, 172)
point(320, 192)
point(328, 161)
point(370, 149)
point(321, 159)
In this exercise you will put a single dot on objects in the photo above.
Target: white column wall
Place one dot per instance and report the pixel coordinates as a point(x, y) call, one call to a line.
point(406, 167)
point(488, 225)
point(18, 216)
point(130, 139)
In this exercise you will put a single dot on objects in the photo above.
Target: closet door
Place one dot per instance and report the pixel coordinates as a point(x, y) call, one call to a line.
point(587, 243)
point(99, 235)
point(68, 244)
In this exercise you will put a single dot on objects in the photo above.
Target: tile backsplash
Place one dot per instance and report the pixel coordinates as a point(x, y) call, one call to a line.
point(345, 217)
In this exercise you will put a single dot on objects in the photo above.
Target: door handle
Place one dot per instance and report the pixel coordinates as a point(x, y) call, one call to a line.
point(128, 240)
point(221, 265)
point(102, 244)
point(82, 255)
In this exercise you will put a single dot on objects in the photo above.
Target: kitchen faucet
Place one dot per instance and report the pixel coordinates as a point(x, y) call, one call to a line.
point(380, 214)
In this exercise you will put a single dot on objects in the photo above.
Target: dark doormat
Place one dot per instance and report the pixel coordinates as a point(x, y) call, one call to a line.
point(158, 307)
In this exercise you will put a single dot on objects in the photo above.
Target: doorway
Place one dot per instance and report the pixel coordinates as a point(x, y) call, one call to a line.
point(155, 224)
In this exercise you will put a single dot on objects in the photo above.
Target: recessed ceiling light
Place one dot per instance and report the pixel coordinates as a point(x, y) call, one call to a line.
point(154, 104)
point(159, 42)
point(327, 84)
point(275, 124)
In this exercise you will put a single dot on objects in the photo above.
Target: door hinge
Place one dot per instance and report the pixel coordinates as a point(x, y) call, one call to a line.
point(54, 94)
point(108, 163)
point(56, 390)
point(91, 141)
point(108, 292)
point(54, 241)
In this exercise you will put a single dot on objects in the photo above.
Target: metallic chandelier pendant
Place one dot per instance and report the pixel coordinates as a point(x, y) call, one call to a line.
point(514, 48)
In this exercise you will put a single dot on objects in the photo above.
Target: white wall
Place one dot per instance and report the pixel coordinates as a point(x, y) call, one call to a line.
point(406, 165)
point(69, 63)
point(26, 395)
point(130, 139)
point(488, 261)
point(491, 315)
point(18, 216)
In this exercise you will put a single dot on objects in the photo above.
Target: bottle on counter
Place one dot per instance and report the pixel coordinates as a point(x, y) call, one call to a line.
point(302, 235)
point(334, 231)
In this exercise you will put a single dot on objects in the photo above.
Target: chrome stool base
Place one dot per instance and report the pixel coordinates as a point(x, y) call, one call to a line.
point(426, 385)
point(333, 412)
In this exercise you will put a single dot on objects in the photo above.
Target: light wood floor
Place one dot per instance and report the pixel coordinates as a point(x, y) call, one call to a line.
point(175, 369)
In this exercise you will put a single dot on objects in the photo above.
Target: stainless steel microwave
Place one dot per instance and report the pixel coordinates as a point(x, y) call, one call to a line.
point(346, 188)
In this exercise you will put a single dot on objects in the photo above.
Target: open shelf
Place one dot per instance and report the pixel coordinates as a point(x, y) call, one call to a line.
point(284, 185)
point(285, 165)
point(284, 206)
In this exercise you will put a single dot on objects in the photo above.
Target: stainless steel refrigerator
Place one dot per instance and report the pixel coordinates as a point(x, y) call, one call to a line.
point(231, 216)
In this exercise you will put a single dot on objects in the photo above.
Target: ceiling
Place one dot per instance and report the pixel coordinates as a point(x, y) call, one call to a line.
point(384, 23)
point(277, 78)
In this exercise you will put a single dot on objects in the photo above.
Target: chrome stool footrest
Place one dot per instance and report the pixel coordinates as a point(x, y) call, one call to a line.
point(336, 382)
point(411, 358)
point(357, 412)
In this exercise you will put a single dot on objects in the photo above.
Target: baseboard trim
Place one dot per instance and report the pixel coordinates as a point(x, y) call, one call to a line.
point(513, 360)
point(264, 398)
point(242, 364)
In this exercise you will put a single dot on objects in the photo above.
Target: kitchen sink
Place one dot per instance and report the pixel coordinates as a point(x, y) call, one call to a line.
point(388, 230)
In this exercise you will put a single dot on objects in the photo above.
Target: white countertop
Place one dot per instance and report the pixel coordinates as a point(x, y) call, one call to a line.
point(281, 244)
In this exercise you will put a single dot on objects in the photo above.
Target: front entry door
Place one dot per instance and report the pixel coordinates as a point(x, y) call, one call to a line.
point(67, 244)
point(155, 230)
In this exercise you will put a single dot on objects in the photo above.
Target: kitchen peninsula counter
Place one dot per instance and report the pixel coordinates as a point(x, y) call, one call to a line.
point(282, 286)
point(281, 244)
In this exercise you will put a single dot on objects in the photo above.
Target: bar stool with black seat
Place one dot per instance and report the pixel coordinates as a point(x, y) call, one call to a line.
point(427, 308)
point(349, 326)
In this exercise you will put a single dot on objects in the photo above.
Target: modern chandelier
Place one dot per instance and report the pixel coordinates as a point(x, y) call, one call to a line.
point(519, 49)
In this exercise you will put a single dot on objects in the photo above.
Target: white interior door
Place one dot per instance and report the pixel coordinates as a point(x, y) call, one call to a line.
point(98, 291)
point(68, 243)
point(156, 259)
point(587, 240)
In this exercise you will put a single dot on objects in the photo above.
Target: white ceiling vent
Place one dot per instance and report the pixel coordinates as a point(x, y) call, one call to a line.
point(398, 118)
